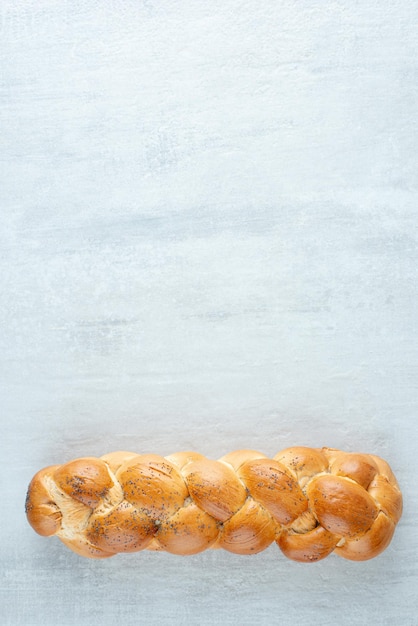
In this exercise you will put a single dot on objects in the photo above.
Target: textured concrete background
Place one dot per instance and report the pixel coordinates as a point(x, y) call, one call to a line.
point(208, 241)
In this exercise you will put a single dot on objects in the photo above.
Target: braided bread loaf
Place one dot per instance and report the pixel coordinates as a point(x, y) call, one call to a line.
point(310, 501)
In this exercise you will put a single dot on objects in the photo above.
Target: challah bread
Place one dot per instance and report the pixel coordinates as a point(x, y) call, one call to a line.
point(310, 501)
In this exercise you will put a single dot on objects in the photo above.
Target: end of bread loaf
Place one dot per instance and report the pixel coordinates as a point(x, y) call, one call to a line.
point(42, 512)
point(311, 502)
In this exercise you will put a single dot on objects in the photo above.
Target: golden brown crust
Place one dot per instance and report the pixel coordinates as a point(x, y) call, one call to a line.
point(86, 480)
point(43, 514)
point(389, 496)
point(153, 485)
point(310, 501)
point(249, 531)
point(271, 484)
point(81, 545)
point(122, 529)
point(302, 462)
point(189, 531)
point(372, 543)
point(308, 547)
point(341, 506)
point(215, 488)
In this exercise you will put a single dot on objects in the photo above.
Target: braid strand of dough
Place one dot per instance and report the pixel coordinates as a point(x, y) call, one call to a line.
point(310, 501)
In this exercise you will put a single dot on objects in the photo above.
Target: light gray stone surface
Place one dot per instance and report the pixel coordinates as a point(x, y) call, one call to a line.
point(208, 241)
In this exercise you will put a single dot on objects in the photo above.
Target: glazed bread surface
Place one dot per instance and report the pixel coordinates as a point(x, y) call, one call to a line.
point(312, 502)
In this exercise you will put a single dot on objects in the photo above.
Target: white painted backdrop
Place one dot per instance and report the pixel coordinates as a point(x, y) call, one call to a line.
point(208, 241)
